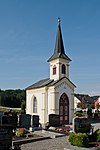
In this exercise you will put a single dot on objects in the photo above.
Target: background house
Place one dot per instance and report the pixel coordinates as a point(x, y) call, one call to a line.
point(83, 101)
point(97, 104)
point(76, 102)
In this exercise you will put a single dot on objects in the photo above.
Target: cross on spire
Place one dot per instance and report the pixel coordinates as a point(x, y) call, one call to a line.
point(58, 20)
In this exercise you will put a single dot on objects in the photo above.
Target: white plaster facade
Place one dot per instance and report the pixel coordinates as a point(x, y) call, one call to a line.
point(48, 100)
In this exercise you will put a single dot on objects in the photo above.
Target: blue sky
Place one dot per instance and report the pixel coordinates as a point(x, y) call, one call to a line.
point(27, 39)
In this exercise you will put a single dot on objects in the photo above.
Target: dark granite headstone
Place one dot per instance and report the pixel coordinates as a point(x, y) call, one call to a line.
point(1, 115)
point(25, 121)
point(54, 120)
point(5, 138)
point(35, 121)
point(10, 120)
point(81, 124)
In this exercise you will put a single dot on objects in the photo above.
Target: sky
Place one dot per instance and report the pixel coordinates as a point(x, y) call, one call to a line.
point(27, 38)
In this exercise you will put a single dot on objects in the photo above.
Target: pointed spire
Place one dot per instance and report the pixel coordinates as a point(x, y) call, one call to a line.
point(59, 47)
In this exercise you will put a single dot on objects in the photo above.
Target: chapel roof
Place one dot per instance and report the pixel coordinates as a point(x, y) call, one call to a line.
point(59, 51)
point(40, 84)
point(46, 82)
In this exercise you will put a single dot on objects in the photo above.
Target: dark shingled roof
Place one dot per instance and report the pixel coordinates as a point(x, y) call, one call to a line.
point(40, 83)
point(46, 82)
point(59, 47)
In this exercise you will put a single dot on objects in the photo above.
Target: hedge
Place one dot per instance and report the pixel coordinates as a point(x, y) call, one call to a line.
point(79, 139)
point(97, 135)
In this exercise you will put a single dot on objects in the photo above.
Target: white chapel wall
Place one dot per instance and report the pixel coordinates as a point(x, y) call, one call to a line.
point(54, 94)
point(41, 103)
point(64, 88)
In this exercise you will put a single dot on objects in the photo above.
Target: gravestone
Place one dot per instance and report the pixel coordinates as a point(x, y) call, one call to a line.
point(10, 120)
point(75, 124)
point(1, 115)
point(25, 121)
point(54, 120)
point(35, 121)
point(81, 124)
point(5, 137)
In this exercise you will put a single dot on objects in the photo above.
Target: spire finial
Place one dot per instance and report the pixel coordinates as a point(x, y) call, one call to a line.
point(58, 20)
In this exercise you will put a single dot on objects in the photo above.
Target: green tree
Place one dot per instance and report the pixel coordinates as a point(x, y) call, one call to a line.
point(12, 98)
point(83, 105)
point(23, 106)
point(2, 99)
point(90, 106)
point(98, 106)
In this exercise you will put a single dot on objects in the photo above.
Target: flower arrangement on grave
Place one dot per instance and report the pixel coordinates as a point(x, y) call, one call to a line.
point(20, 132)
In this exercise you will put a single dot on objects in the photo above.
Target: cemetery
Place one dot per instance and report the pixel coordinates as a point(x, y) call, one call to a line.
point(15, 127)
point(16, 130)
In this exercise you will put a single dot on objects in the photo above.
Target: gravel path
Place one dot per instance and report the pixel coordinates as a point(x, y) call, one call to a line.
point(60, 143)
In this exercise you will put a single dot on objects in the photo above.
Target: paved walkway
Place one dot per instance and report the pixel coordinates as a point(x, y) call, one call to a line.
point(49, 134)
point(60, 143)
point(96, 125)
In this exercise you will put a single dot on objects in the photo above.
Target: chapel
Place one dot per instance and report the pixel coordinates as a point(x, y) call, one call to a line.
point(53, 95)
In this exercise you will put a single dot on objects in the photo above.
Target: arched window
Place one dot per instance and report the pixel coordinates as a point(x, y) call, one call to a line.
point(34, 105)
point(54, 69)
point(63, 69)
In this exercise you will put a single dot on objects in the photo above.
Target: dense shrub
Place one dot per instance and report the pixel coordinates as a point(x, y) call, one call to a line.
point(96, 115)
point(98, 147)
point(71, 138)
point(97, 135)
point(79, 139)
point(79, 113)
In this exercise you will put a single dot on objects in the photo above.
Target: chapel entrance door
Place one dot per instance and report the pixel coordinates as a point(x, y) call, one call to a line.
point(64, 109)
